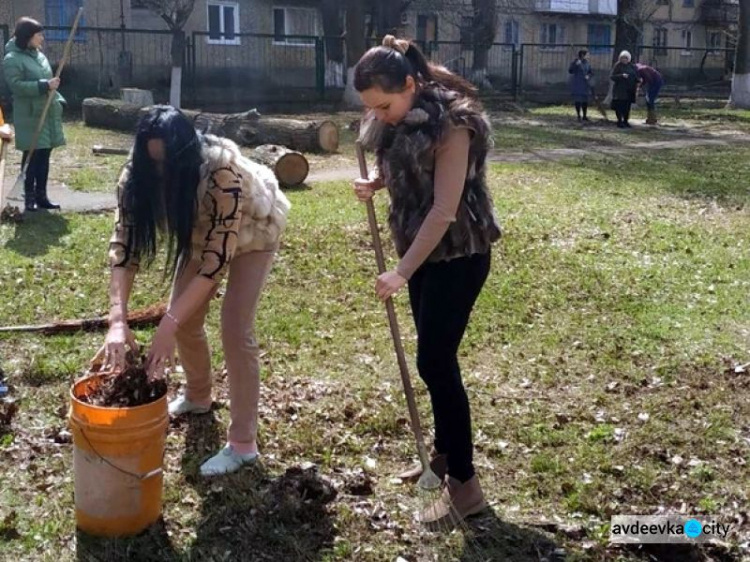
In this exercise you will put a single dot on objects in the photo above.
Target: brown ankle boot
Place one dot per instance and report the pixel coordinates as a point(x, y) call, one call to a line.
point(456, 503)
point(438, 464)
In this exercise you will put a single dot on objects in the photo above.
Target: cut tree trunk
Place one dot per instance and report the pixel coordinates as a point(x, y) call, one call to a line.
point(140, 318)
point(248, 128)
point(141, 98)
point(291, 168)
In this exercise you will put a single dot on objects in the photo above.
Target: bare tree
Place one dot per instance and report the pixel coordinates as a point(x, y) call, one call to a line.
point(484, 29)
point(741, 79)
point(333, 30)
point(175, 14)
point(632, 16)
point(385, 17)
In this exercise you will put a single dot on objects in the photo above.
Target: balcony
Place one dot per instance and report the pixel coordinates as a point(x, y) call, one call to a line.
point(603, 7)
point(719, 13)
point(563, 6)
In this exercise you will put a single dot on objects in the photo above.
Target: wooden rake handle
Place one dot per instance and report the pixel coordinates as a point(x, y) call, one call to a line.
point(393, 321)
point(51, 93)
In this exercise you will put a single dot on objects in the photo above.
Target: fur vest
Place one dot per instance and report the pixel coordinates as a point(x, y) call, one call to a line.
point(264, 205)
point(406, 160)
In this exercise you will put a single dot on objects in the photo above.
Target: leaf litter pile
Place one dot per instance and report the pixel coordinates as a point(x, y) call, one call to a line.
point(127, 389)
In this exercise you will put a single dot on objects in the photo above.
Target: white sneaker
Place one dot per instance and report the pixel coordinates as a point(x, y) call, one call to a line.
point(226, 461)
point(182, 405)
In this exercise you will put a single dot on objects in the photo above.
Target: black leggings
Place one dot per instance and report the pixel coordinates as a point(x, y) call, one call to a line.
point(581, 105)
point(622, 110)
point(442, 295)
point(37, 172)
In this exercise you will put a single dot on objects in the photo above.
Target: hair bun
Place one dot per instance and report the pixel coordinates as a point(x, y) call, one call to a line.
point(400, 45)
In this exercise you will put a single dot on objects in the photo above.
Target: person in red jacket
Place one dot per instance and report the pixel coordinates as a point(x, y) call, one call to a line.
point(651, 82)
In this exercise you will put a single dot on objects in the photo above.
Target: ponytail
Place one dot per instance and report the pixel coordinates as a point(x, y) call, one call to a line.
point(388, 66)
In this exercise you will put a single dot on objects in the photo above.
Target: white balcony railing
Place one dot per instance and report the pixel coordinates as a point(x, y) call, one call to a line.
point(603, 7)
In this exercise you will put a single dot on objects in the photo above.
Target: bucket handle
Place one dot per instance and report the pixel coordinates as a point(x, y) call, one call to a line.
point(141, 477)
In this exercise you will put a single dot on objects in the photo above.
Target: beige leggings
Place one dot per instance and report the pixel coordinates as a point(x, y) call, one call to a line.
point(247, 275)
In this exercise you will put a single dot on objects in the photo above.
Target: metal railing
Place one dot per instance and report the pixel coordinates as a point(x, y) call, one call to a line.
point(247, 68)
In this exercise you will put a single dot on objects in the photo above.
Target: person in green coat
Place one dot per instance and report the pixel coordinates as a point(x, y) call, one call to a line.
point(29, 77)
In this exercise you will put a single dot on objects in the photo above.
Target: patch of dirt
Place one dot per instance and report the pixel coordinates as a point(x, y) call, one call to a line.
point(127, 389)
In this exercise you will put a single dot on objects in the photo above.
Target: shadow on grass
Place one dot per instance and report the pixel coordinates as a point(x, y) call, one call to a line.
point(487, 537)
point(153, 545)
point(253, 515)
point(38, 233)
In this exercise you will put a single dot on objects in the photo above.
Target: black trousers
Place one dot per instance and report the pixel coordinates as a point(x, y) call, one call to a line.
point(442, 296)
point(622, 110)
point(37, 172)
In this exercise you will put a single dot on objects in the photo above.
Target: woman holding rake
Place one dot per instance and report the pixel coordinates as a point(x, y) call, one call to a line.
point(431, 138)
point(29, 77)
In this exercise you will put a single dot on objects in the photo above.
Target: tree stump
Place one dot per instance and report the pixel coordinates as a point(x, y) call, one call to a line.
point(291, 167)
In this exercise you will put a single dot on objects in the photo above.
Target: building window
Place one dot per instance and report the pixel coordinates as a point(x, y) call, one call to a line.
point(61, 13)
point(714, 41)
point(427, 28)
point(687, 39)
point(552, 34)
point(600, 38)
point(223, 22)
point(512, 35)
point(299, 22)
point(660, 41)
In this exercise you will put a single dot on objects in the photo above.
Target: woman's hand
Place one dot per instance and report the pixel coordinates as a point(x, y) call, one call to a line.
point(161, 353)
point(388, 284)
point(111, 356)
point(53, 83)
point(364, 189)
point(6, 132)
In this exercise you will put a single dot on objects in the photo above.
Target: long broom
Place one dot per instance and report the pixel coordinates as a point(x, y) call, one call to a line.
point(15, 192)
point(428, 480)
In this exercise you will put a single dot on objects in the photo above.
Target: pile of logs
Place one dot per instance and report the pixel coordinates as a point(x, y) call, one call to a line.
point(280, 142)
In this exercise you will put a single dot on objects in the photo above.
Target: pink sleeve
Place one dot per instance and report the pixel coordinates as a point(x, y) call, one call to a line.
point(451, 166)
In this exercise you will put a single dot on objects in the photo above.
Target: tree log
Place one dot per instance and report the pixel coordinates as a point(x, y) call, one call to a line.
point(99, 150)
point(291, 168)
point(248, 128)
point(141, 98)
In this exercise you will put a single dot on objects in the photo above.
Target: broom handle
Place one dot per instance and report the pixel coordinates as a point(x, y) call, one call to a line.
point(51, 93)
point(393, 321)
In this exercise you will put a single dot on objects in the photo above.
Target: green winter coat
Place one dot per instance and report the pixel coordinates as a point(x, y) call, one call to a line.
point(26, 73)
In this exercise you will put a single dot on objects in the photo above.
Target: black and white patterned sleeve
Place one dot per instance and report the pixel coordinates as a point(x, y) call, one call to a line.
point(224, 202)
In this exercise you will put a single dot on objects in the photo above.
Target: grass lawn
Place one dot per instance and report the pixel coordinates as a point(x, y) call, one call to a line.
point(602, 366)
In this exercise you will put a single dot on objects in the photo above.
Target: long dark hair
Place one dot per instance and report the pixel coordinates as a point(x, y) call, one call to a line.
point(388, 66)
point(163, 204)
point(26, 28)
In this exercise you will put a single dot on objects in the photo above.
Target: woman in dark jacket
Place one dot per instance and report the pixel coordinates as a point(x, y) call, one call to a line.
point(625, 78)
point(580, 86)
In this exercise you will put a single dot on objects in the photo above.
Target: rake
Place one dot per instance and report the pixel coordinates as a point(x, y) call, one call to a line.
point(429, 480)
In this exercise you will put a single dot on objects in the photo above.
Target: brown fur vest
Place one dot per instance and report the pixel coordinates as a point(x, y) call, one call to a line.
point(406, 160)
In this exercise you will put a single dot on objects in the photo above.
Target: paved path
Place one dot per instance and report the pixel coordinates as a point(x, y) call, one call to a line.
point(78, 201)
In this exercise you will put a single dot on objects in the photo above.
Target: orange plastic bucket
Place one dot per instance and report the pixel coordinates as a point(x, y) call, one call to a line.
point(117, 460)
